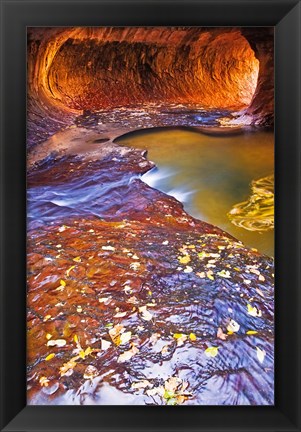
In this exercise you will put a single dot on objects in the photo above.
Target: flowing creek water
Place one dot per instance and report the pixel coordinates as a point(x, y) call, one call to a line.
point(209, 174)
point(108, 252)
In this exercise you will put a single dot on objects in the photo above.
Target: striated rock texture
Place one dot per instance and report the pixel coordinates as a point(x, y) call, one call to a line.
point(76, 69)
point(261, 108)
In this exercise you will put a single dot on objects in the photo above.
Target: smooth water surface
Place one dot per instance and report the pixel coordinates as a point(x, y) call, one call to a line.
point(209, 174)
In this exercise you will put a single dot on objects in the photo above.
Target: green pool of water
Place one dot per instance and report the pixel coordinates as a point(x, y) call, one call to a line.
point(209, 174)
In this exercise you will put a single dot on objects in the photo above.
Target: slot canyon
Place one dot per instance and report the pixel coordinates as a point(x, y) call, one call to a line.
point(141, 292)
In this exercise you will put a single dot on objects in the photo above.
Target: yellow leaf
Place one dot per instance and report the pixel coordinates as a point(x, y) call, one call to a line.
point(192, 337)
point(62, 282)
point(50, 356)
point(185, 259)
point(253, 311)
point(77, 259)
point(181, 338)
point(48, 336)
point(224, 273)
point(210, 275)
point(46, 318)
point(44, 381)
point(69, 270)
point(251, 332)
point(211, 351)
point(115, 333)
point(82, 354)
point(75, 338)
point(178, 335)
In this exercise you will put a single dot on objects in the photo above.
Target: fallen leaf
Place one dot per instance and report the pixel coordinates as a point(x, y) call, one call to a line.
point(108, 248)
point(233, 326)
point(115, 333)
point(260, 354)
point(211, 351)
point(192, 337)
point(48, 336)
point(145, 314)
point(69, 270)
point(49, 357)
point(77, 259)
point(188, 269)
point(62, 282)
point(224, 273)
point(210, 275)
point(180, 338)
point(220, 334)
point(57, 342)
point(46, 318)
point(185, 259)
point(125, 337)
point(44, 381)
point(253, 311)
point(105, 344)
point(165, 349)
point(251, 332)
point(104, 300)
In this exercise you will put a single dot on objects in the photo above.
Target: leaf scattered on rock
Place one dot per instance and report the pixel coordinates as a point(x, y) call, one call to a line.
point(211, 351)
point(44, 382)
point(233, 326)
point(185, 259)
point(108, 248)
point(145, 314)
point(49, 357)
point(57, 342)
point(253, 311)
point(260, 354)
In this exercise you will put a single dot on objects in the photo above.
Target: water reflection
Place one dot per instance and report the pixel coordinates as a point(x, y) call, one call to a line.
point(210, 174)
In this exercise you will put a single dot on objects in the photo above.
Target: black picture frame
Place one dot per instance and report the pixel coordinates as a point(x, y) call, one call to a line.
point(16, 16)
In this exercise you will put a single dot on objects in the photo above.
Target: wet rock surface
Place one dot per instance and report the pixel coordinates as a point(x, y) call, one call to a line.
point(76, 69)
point(139, 303)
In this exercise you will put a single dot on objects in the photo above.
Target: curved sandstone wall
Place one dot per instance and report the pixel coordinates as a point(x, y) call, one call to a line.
point(75, 69)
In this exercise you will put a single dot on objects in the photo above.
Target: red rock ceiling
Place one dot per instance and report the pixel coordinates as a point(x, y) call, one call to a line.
point(73, 69)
